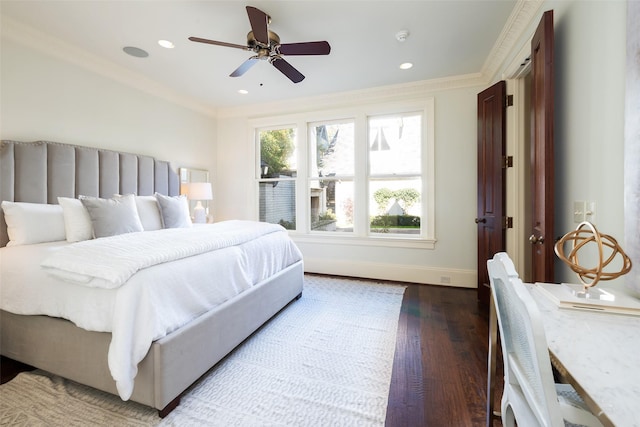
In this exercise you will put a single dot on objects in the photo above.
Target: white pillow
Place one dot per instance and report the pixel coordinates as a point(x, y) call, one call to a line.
point(30, 223)
point(148, 212)
point(174, 211)
point(114, 216)
point(77, 221)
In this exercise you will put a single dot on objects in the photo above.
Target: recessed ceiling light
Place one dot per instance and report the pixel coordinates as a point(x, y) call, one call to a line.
point(243, 91)
point(166, 43)
point(135, 51)
point(406, 65)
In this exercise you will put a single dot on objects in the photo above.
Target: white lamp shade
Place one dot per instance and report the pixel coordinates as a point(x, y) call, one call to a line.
point(199, 191)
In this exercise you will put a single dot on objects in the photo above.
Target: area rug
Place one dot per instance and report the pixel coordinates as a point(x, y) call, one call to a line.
point(325, 360)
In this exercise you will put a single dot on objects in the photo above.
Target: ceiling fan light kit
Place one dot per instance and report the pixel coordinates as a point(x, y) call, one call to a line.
point(265, 44)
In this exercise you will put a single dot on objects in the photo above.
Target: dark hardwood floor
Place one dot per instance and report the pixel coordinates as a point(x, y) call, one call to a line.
point(440, 367)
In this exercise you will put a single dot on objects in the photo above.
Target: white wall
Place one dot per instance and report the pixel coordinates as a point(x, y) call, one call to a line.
point(45, 97)
point(590, 58)
point(454, 255)
point(590, 47)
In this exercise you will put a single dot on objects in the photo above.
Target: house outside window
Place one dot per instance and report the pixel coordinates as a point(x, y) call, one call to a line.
point(360, 175)
point(331, 176)
point(395, 172)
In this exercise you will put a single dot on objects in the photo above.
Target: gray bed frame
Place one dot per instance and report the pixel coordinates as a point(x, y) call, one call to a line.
point(39, 172)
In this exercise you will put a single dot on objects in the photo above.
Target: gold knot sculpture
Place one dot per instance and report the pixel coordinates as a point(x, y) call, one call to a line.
point(584, 234)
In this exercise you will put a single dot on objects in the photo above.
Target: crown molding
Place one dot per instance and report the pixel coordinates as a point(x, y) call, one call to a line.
point(520, 19)
point(37, 40)
point(399, 92)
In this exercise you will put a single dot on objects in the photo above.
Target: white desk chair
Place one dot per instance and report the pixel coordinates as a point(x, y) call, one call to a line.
point(530, 397)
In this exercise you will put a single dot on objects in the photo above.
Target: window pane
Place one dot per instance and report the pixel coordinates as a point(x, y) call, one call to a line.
point(395, 206)
point(278, 153)
point(331, 205)
point(331, 149)
point(394, 144)
point(278, 203)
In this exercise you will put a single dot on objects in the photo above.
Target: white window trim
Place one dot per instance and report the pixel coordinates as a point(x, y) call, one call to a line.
point(360, 114)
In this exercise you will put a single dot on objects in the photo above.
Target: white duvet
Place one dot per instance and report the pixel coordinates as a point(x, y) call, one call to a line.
point(140, 289)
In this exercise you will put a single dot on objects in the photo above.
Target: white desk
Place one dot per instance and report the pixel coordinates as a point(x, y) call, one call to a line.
point(598, 353)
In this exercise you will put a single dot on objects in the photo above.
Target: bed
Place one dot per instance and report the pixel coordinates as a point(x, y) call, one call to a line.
point(174, 347)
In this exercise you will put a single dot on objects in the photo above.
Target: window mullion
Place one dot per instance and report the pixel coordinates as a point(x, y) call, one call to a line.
point(428, 174)
point(361, 205)
point(302, 180)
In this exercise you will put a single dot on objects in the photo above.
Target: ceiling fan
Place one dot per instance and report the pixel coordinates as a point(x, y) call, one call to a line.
point(266, 46)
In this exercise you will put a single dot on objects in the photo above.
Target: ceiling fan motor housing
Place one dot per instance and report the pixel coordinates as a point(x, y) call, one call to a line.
point(263, 51)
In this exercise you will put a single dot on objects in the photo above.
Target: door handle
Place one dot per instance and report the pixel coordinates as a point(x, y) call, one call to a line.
point(481, 220)
point(536, 240)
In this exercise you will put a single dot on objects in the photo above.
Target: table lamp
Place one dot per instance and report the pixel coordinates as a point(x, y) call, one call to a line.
point(199, 191)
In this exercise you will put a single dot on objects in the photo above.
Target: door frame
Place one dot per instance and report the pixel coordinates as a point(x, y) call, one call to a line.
point(517, 187)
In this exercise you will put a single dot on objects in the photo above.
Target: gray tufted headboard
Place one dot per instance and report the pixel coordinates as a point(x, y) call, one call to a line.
point(42, 171)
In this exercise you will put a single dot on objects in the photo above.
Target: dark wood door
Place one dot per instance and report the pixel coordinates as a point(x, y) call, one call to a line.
point(542, 164)
point(491, 180)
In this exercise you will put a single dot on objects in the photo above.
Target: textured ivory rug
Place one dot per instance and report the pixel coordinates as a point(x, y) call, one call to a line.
point(325, 360)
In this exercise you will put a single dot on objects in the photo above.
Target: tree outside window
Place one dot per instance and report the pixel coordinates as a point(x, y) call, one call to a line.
point(277, 149)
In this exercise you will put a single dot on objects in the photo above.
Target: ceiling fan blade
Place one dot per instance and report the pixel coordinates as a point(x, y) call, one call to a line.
point(306, 48)
point(259, 21)
point(237, 46)
point(244, 67)
point(287, 69)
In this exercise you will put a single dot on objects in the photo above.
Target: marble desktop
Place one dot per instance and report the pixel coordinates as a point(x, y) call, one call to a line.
point(600, 350)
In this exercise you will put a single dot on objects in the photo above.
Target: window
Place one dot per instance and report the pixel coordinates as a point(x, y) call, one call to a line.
point(357, 175)
point(331, 176)
point(277, 171)
point(395, 170)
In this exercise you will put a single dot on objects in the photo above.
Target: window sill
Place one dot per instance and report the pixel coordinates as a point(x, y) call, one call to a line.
point(389, 242)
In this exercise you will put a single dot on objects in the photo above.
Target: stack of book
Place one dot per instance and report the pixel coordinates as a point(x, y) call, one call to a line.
point(575, 297)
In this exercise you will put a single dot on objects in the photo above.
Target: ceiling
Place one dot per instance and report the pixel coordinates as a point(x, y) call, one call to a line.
point(446, 38)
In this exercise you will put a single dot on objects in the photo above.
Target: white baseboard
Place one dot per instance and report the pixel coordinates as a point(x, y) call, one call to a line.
point(395, 272)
